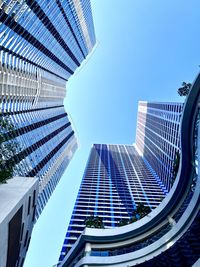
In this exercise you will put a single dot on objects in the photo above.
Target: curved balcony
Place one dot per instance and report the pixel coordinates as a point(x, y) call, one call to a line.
point(170, 233)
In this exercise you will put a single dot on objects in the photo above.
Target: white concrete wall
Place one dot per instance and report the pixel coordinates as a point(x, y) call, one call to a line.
point(14, 194)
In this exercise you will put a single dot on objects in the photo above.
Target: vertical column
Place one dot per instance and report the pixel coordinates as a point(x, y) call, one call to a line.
point(87, 250)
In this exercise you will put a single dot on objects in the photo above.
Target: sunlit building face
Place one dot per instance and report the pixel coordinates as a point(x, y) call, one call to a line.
point(119, 177)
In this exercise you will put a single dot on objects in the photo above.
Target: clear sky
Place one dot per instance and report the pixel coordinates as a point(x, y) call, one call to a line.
point(145, 50)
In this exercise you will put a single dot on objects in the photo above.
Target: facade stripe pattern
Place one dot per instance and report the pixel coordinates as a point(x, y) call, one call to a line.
point(41, 46)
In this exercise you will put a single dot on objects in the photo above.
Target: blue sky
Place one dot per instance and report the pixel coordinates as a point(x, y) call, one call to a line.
point(145, 50)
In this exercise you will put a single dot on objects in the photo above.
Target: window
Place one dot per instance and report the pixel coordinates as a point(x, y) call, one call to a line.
point(29, 204)
point(22, 231)
point(26, 237)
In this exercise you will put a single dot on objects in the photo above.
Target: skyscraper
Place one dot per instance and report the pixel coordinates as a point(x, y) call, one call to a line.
point(158, 137)
point(41, 45)
point(119, 177)
point(169, 235)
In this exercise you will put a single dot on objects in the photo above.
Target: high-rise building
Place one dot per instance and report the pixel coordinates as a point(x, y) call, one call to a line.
point(170, 234)
point(41, 45)
point(119, 177)
point(158, 137)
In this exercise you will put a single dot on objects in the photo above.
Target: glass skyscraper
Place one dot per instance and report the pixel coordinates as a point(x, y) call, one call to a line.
point(41, 45)
point(119, 177)
point(168, 235)
point(158, 137)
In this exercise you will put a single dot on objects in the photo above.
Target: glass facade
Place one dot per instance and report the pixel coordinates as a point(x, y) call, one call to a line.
point(158, 137)
point(41, 45)
point(119, 177)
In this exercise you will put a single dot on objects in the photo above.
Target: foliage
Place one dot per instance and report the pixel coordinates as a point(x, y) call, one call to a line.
point(8, 148)
point(5, 174)
point(176, 165)
point(185, 89)
point(123, 222)
point(140, 212)
point(133, 219)
point(94, 222)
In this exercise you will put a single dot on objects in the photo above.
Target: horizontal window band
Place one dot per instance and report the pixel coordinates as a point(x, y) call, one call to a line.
point(42, 163)
point(7, 113)
point(69, 25)
point(29, 61)
point(27, 151)
point(31, 127)
point(17, 28)
point(47, 23)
